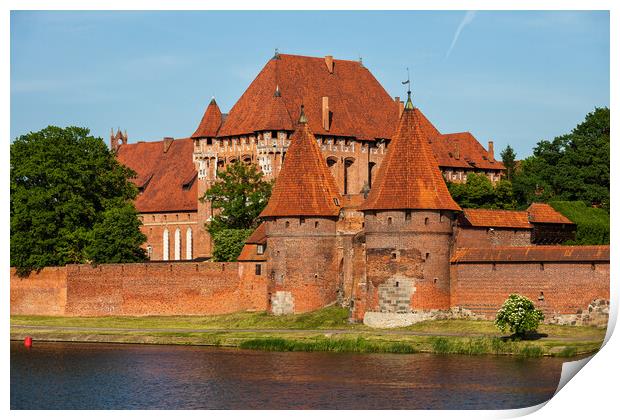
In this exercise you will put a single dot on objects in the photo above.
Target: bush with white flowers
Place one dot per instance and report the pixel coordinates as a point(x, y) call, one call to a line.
point(518, 315)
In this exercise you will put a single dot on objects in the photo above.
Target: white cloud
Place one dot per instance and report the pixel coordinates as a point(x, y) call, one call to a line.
point(467, 19)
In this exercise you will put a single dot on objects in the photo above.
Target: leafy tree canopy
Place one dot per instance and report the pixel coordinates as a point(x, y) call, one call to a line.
point(228, 243)
point(71, 201)
point(571, 167)
point(518, 315)
point(508, 159)
point(239, 194)
point(479, 192)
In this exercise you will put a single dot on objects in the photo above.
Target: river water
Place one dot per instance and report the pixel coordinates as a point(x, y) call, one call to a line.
point(120, 376)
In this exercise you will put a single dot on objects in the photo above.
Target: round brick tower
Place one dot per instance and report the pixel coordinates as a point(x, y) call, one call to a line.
point(408, 220)
point(300, 219)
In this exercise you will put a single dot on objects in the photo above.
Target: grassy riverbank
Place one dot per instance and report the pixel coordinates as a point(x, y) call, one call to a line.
point(324, 330)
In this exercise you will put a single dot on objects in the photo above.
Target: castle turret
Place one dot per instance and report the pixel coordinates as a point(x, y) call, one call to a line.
point(408, 220)
point(205, 159)
point(210, 123)
point(300, 221)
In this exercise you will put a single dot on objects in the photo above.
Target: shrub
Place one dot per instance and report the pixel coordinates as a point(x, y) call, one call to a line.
point(518, 315)
point(592, 223)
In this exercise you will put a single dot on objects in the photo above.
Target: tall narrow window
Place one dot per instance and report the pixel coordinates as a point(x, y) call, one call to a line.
point(347, 170)
point(149, 252)
point(371, 172)
point(177, 244)
point(166, 246)
point(189, 244)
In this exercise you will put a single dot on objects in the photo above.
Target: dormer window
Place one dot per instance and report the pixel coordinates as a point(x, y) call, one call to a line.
point(260, 249)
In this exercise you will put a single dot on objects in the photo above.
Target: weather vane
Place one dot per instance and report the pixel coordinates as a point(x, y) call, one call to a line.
point(408, 82)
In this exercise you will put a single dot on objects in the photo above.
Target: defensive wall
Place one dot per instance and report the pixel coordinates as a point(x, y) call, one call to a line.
point(139, 289)
point(560, 281)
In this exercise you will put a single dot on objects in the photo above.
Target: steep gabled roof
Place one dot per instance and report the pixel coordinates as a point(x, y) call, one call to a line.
point(304, 187)
point(495, 218)
point(210, 123)
point(359, 105)
point(462, 150)
point(544, 213)
point(166, 178)
point(409, 177)
point(536, 253)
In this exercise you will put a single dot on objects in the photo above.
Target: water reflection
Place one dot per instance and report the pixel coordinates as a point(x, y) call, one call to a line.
point(102, 376)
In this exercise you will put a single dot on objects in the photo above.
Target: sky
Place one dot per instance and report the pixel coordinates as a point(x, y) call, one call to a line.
point(513, 77)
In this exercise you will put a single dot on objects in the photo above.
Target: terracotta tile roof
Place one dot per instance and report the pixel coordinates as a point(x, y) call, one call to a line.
point(167, 179)
point(409, 177)
point(249, 253)
point(259, 236)
point(359, 105)
point(304, 187)
point(210, 123)
point(537, 253)
point(544, 213)
point(495, 218)
point(274, 115)
point(462, 150)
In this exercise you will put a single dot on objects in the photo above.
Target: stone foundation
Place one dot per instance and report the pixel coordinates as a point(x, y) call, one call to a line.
point(282, 303)
point(397, 320)
point(597, 315)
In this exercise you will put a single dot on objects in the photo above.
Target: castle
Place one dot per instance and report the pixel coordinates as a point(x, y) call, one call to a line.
point(360, 215)
point(350, 114)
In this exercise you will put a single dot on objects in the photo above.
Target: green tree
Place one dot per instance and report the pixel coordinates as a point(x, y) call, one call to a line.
point(479, 192)
point(228, 243)
point(571, 167)
point(108, 240)
point(518, 315)
point(508, 159)
point(64, 184)
point(239, 195)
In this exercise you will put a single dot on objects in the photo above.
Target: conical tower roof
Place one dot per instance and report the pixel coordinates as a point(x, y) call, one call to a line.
point(275, 116)
point(211, 121)
point(304, 187)
point(409, 176)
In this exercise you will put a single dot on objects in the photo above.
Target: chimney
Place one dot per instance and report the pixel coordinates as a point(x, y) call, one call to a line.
point(325, 112)
point(329, 62)
point(457, 151)
point(401, 106)
point(491, 152)
point(167, 143)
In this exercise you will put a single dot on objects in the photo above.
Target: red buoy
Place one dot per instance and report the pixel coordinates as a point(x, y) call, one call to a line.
point(28, 342)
